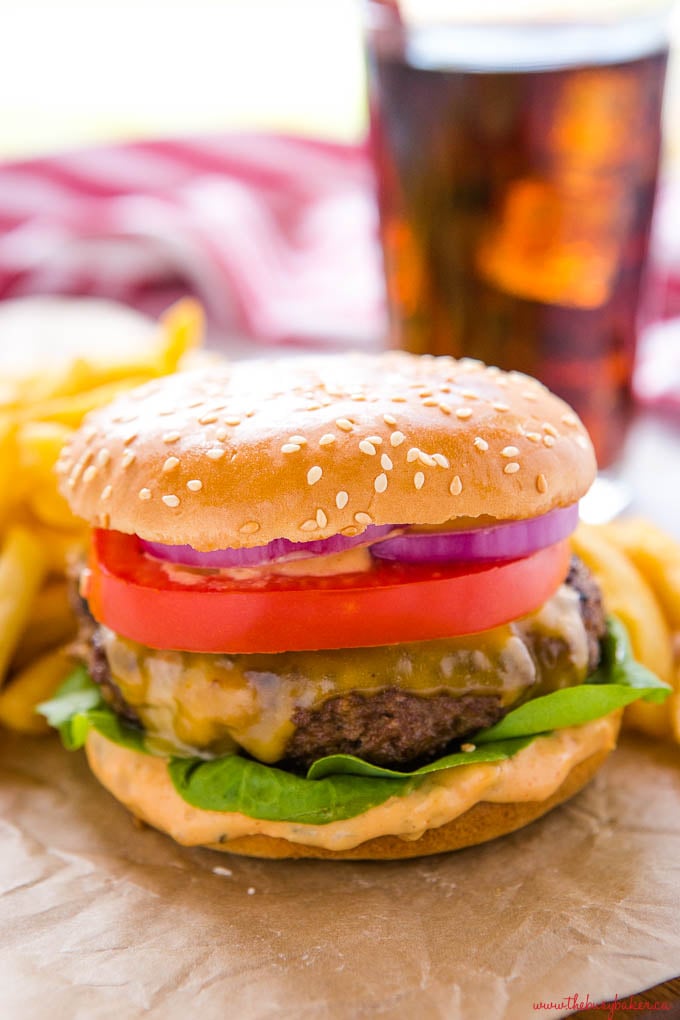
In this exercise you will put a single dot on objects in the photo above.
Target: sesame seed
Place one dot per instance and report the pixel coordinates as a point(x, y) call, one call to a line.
point(105, 521)
point(103, 457)
point(171, 437)
point(350, 531)
point(171, 501)
point(389, 419)
point(344, 424)
point(548, 441)
point(297, 439)
point(315, 407)
point(215, 453)
point(528, 395)
point(582, 442)
point(363, 518)
point(426, 459)
point(413, 454)
point(569, 419)
point(398, 400)
point(170, 464)
point(207, 419)
point(249, 528)
point(509, 451)
point(535, 437)
point(376, 440)
point(550, 429)
point(195, 485)
point(431, 402)
point(309, 525)
point(480, 444)
point(314, 474)
point(469, 394)
point(130, 438)
point(441, 460)
point(327, 439)
point(106, 492)
point(341, 500)
point(498, 406)
point(463, 413)
point(419, 479)
point(232, 420)
point(291, 448)
point(321, 518)
point(196, 403)
point(145, 494)
point(380, 484)
point(397, 438)
point(386, 463)
point(511, 469)
point(89, 473)
point(367, 447)
point(445, 408)
point(541, 483)
point(456, 486)
point(221, 434)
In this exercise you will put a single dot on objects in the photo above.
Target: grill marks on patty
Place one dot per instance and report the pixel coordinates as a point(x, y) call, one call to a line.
point(392, 727)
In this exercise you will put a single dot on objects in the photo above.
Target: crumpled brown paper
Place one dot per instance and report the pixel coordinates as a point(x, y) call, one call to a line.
point(100, 919)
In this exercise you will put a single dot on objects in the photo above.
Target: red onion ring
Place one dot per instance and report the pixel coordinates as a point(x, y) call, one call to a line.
point(507, 541)
point(187, 556)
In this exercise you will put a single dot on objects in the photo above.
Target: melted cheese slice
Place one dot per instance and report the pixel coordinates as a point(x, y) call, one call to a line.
point(210, 704)
point(142, 783)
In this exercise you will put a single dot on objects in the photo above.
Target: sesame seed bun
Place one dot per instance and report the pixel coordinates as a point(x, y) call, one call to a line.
point(305, 448)
point(141, 782)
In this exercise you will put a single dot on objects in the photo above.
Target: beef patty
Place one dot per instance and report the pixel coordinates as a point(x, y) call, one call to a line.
point(395, 726)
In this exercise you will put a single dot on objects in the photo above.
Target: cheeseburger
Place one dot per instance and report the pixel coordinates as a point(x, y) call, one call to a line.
point(330, 608)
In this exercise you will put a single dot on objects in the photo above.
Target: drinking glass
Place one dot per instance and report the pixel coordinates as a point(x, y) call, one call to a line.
point(517, 157)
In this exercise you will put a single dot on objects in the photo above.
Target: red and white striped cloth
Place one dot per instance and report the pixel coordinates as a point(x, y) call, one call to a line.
point(276, 235)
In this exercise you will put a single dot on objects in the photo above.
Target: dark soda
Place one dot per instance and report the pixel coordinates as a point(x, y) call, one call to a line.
point(516, 202)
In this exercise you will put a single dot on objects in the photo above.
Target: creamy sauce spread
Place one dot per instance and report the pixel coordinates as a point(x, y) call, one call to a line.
point(352, 561)
point(141, 782)
point(210, 704)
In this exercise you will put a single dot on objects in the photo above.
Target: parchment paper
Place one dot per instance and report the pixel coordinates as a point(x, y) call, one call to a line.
point(99, 918)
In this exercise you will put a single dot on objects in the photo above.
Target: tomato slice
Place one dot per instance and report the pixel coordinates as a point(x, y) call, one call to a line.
point(139, 598)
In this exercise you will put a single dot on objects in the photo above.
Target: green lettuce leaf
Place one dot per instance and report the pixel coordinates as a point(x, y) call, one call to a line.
point(348, 764)
point(264, 791)
point(78, 706)
point(341, 786)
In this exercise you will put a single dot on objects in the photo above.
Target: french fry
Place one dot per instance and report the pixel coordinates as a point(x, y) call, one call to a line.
point(52, 623)
point(34, 684)
point(657, 557)
point(61, 548)
point(183, 326)
point(22, 569)
point(8, 457)
point(627, 595)
point(71, 410)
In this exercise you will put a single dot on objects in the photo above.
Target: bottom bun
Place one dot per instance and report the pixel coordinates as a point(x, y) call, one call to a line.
point(482, 802)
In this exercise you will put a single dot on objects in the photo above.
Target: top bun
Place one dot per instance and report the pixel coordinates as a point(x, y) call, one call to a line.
point(305, 448)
